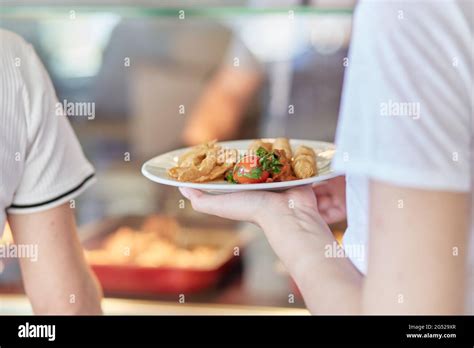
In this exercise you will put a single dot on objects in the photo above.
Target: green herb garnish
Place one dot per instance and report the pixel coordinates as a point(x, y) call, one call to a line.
point(229, 177)
point(255, 173)
point(269, 160)
point(261, 152)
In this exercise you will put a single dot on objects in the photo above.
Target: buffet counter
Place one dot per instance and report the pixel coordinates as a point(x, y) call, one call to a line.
point(255, 283)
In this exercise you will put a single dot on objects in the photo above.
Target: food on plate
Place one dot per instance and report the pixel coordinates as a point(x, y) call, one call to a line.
point(264, 166)
point(156, 244)
point(283, 144)
point(264, 162)
point(256, 144)
point(249, 171)
point(285, 172)
point(205, 162)
point(304, 162)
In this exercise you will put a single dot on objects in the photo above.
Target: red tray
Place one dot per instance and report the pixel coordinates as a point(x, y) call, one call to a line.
point(137, 280)
point(148, 280)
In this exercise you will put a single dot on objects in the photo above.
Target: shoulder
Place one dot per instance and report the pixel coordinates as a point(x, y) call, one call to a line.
point(448, 16)
point(15, 62)
point(13, 43)
point(18, 60)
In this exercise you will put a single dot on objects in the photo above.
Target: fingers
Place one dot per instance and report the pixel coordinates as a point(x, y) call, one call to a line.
point(331, 199)
point(255, 206)
point(190, 193)
point(321, 189)
point(242, 206)
point(304, 193)
point(333, 215)
point(324, 202)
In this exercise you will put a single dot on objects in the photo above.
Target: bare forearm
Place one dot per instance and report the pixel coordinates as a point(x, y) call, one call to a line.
point(299, 236)
point(329, 283)
point(59, 281)
point(333, 287)
point(81, 295)
point(237, 87)
point(220, 110)
point(60, 285)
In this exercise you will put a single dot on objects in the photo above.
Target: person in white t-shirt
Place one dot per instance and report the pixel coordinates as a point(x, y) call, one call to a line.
point(42, 168)
point(404, 143)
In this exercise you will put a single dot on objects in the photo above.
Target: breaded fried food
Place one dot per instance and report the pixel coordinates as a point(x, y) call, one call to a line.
point(304, 162)
point(256, 144)
point(227, 156)
point(209, 162)
point(283, 144)
point(184, 173)
point(216, 172)
point(196, 154)
point(164, 226)
point(203, 163)
point(155, 245)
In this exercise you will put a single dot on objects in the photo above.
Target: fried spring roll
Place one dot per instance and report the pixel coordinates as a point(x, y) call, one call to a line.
point(253, 147)
point(304, 163)
point(305, 150)
point(283, 144)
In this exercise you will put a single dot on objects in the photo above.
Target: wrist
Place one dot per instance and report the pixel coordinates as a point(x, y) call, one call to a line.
point(300, 242)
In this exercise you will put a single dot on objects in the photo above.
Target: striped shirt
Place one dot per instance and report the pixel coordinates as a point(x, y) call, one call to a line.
point(41, 161)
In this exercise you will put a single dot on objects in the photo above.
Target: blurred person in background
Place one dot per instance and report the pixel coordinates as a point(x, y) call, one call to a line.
point(404, 142)
point(296, 58)
point(42, 168)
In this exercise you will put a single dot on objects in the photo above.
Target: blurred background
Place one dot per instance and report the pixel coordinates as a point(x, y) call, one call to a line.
point(168, 74)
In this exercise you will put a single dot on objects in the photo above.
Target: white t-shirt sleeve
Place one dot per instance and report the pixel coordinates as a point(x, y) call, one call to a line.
point(55, 169)
point(406, 111)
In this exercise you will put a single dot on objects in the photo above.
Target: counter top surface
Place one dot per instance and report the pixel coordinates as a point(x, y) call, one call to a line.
point(17, 304)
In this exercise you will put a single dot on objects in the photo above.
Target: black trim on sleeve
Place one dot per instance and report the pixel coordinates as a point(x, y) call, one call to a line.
point(20, 206)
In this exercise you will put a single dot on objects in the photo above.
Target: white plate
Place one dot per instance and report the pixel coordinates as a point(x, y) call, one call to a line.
point(156, 168)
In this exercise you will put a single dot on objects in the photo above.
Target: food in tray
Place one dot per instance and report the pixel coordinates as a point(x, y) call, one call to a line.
point(264, 162)
point(155, 244)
